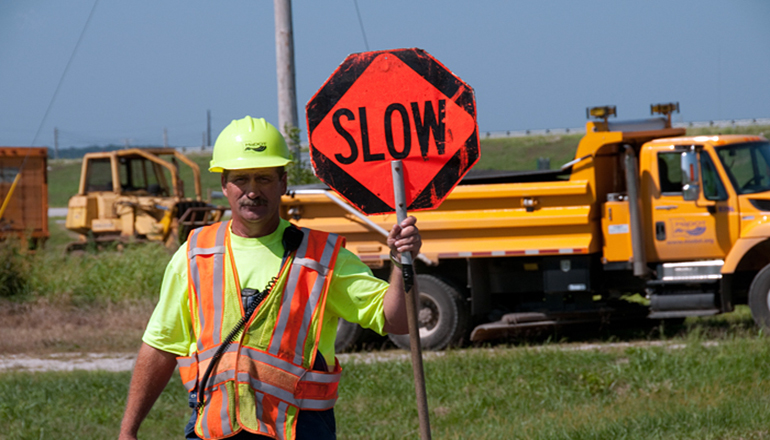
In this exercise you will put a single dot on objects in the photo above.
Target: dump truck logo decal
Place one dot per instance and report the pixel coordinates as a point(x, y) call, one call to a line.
point(682, 228)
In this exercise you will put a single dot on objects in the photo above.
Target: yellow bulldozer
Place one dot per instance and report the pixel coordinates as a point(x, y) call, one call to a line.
point(137, 195)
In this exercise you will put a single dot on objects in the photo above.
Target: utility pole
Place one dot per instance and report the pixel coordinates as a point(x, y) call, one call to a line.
point(55, 143)
point(284, 57)
point(208, 128)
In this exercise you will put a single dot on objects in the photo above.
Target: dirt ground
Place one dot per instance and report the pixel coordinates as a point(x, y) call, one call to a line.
point(46, 337)
point(42, 328)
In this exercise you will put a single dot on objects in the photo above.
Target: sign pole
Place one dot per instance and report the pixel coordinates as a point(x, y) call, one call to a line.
point(411, 290)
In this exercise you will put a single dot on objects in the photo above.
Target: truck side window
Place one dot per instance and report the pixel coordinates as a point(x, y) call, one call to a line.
point(713, 189)
point(99, 175)
point(669, 173)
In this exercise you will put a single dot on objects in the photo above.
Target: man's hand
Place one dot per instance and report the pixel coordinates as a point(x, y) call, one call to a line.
point(152, 371)
point(405, 237)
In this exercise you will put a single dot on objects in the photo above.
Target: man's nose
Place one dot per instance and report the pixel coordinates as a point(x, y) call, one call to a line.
point(252, 189)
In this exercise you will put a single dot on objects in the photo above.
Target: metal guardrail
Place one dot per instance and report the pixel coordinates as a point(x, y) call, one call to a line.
point(580, 130)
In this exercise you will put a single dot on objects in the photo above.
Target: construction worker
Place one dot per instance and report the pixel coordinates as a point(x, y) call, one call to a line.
point(248, 308)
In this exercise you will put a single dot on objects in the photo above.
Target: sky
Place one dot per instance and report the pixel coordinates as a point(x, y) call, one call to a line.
point(145, 66)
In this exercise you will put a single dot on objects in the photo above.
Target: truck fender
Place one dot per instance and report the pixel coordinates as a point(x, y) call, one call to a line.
point(738, 251)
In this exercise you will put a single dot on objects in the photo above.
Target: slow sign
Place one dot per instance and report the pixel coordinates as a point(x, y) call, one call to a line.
point(392, 105)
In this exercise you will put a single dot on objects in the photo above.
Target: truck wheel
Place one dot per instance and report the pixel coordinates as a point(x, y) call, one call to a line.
point(347, 335)
point(759, 298)
point(442, 315)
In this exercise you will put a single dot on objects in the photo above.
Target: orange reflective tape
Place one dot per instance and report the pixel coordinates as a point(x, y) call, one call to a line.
point(268, 374)
point(270, 413)
point(188, 371)
point(211, 422)
point(317, 391)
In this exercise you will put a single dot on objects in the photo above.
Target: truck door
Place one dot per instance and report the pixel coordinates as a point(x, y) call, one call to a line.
point(682, 229)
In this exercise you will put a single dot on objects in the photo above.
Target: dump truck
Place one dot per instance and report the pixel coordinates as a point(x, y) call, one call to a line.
point(642, 209)
point(24, 194)
point(137, 195)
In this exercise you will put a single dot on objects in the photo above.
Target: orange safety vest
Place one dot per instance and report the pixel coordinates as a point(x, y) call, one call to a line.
point(264, 378)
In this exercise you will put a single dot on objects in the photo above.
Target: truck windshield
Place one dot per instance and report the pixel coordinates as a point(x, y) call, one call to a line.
point(747, 165)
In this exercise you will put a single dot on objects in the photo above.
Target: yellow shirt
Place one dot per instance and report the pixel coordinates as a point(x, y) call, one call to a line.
point(355, 294)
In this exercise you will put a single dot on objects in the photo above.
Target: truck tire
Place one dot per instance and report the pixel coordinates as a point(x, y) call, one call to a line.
point(442, 315)
point(347, 335)
point(759, 298)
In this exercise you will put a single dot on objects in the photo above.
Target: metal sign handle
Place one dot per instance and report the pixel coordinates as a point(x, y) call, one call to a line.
point(411, 306)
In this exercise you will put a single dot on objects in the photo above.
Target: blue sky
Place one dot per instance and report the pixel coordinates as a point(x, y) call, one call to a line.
point(143, 65)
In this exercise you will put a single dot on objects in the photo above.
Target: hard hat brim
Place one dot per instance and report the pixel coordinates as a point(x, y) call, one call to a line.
point(244, 164)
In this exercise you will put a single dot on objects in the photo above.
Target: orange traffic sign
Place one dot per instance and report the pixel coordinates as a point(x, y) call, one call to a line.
point(392, 105)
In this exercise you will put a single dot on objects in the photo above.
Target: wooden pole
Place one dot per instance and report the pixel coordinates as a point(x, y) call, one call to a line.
point(284, 61)
point(412, 305)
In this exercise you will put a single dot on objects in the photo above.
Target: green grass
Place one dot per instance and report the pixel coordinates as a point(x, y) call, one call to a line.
point(80, 405)
point(699, 391)
point(762, 130)
point(63, 181)
point(521, 153)
point(98, 278)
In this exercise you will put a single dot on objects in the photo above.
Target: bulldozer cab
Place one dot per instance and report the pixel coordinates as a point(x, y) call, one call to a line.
point(150, 172)
point(138, 194)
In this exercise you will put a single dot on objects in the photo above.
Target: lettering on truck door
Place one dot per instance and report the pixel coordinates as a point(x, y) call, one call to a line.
point(688, 230)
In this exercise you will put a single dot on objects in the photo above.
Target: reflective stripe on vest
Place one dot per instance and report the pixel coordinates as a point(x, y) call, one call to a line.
point(278, 375)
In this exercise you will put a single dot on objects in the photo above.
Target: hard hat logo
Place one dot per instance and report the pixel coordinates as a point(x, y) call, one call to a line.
point(237, 143)
point(256, 146)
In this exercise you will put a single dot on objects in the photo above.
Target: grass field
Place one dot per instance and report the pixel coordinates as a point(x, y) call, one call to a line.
point(687, 389)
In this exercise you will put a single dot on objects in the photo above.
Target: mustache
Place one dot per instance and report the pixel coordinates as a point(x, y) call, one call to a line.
point(252, 202)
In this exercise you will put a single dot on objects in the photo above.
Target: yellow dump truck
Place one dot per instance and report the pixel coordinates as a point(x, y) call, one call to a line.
point(683, 221)
point(137, 195)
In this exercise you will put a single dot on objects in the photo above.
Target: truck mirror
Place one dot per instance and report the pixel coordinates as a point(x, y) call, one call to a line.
point(690, 181)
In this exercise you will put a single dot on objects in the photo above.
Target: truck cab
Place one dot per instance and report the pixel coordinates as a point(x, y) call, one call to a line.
point(706, 201)
point(684, 214)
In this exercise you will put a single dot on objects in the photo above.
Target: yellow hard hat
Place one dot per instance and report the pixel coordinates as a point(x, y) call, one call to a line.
point(249, 143)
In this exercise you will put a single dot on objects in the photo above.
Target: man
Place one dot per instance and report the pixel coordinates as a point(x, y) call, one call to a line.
point(286, 287)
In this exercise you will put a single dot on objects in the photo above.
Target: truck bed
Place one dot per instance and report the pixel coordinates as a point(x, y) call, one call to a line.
point(480, 218)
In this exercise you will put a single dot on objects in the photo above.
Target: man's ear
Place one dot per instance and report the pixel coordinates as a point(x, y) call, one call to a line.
point(284, 183)
point(223, 179)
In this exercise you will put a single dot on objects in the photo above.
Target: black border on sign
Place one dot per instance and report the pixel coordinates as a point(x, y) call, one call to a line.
point(349, 187)
point(448, 177)
point(335, 88)
point(340, 82)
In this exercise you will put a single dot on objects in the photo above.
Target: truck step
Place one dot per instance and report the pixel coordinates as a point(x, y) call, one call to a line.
point(681, 313)
point(512, 322)
point(682, 302)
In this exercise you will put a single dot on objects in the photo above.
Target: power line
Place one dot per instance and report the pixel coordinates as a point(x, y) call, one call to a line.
point(361, 23)
point(66, 68)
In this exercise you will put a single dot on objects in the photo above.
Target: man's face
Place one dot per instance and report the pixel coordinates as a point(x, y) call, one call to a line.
point(254, 195)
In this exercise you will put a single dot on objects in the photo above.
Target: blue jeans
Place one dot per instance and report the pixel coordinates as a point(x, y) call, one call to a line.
point(311, 425)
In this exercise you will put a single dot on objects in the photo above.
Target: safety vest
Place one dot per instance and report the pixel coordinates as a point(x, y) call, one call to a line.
point(264, 377)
